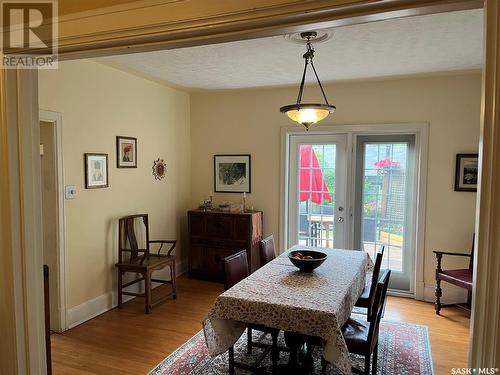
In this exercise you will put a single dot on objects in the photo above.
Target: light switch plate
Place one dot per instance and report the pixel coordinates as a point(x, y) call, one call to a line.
point(70, 192)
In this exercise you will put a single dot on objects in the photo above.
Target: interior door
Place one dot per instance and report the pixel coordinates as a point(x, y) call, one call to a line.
point(385, 203)
point(317, 193)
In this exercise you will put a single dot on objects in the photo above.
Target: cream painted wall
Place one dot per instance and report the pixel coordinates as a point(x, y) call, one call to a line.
point(97, 104)
point(248, 121)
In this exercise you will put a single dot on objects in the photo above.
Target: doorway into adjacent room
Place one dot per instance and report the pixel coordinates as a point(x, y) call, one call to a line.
point(53, 216)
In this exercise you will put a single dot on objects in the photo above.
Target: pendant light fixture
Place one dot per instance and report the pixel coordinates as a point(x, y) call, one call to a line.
point(308, 113)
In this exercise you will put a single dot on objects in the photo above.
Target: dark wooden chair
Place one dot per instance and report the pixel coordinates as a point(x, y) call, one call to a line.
point(368, 296)
point(235, 270)
point(362, 337)
point(267, 251)
point(133, 259)
point(458, 277)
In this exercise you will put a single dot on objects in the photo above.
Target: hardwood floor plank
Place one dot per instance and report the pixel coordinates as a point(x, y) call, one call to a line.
point(127, 341)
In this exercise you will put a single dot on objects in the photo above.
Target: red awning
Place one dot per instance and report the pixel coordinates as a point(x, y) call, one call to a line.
point(316, 184)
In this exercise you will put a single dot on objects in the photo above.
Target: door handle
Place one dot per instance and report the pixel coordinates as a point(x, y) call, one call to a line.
point(341, 219)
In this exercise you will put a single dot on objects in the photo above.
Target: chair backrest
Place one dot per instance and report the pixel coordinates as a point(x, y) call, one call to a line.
point(127, 236)
point(266, 250)
point(378, 308)
point(235, 268)
point(471, 262)
point(376, 271)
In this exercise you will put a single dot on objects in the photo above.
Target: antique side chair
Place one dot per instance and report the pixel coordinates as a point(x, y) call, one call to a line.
point(132, 258)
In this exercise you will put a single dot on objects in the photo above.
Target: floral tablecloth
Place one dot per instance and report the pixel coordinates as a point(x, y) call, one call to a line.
point(279, 296)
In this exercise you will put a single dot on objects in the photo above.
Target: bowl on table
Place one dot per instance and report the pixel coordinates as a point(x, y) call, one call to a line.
point(307, 260)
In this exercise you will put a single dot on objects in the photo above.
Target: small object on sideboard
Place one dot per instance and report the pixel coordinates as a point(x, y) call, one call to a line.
point(214, 235)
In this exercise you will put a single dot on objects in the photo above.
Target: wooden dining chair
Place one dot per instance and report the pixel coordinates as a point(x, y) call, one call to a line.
point(361, 336)
point(368, 296)
point(458, 277)
point(235, 270)
point(132, 258)
point(267, 251)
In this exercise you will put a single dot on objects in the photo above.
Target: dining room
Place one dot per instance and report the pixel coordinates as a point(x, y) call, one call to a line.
point(301, 245)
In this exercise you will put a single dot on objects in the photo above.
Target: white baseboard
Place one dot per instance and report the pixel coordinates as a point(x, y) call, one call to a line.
point(450, 294)
point(107, 301)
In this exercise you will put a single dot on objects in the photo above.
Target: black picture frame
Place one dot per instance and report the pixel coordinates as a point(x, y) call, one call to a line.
point(119, 162)
point(244, 186)
point(466, 172)
point(87, 159)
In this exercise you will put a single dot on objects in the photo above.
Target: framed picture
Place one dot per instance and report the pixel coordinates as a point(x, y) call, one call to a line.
point(232, 173)
point(96, 171)
point(466, 172)
point(126, 152)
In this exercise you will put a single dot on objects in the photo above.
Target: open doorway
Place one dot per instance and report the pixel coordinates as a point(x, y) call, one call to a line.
point(53, 215)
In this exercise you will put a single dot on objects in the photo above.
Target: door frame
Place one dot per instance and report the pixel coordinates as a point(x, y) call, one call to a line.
point(344, 165)
point(421, 132)
point(56, 119)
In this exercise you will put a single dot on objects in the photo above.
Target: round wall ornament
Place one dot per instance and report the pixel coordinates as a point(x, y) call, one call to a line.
point(159, 169)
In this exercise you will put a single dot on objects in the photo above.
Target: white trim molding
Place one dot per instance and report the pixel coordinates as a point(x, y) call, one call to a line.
point(107, 301)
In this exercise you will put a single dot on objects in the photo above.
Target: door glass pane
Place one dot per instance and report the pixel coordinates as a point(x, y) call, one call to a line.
point(384, 201)
point(316, 196)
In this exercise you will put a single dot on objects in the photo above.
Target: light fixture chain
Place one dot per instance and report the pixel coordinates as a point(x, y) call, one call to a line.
point(301, 89)
point(319, 83)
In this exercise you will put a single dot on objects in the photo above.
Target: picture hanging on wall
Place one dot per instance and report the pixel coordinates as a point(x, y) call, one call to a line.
point(232, 173)
point(466, 172)
point(126, 152)
point(96, 171)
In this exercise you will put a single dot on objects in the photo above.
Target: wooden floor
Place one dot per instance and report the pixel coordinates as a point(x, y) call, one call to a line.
point(127, 341)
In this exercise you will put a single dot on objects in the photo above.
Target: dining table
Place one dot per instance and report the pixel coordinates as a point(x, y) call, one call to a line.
point(279, 295)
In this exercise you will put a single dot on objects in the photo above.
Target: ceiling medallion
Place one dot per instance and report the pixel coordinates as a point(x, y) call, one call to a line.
point(308, 113)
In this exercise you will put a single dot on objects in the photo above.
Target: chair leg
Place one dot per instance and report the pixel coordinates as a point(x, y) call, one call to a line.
point(174, 280)
point(438, 294)
point(120, 289)
point(249, 340)
point(231, 360)
point(375, 358)
point(275, 353)
point(369, 314)
point(147, 291)
point(367, 364)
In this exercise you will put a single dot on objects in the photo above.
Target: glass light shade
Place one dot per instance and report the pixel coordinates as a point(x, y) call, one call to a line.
point(307, 114)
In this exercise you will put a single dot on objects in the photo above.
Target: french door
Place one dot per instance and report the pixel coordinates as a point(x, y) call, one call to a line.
point(385, 198)
point(380, 209)
point(317, 191)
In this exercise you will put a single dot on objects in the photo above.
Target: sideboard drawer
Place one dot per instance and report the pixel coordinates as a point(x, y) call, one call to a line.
point(219, 226)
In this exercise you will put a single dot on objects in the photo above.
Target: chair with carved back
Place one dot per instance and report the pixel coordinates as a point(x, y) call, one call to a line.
point(458, 277)
point(368, 295)
point(266, 250)
point(235, 270)
point(136, 259)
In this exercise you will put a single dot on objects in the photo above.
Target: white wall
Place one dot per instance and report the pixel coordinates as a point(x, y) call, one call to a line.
point(97, 104)
point(249, 121)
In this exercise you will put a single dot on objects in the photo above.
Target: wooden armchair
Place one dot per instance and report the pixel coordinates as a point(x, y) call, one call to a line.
point(459, 277)
point(131, 258)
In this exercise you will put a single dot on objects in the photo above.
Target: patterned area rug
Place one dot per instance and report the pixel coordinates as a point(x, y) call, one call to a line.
point(403, 350)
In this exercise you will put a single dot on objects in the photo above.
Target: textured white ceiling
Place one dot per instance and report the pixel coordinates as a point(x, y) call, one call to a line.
point(423, 44)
